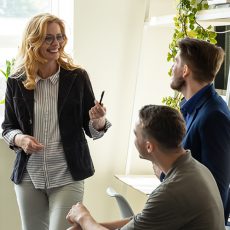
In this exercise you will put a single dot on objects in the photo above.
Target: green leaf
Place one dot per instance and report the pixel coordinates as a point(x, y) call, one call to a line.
point(191, 27)
point(213, 40)
point(193, 2)
point(206, 6)
point(170, 72)
point(2, 101)
point(3, 72)
point(175, 19)
point(212, 34)
point(6, 73)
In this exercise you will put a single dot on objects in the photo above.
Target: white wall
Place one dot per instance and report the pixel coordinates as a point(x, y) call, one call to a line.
point(161, 8)
point(109, 42)
point(9, 215)
point(108, 37)
point(153, 83)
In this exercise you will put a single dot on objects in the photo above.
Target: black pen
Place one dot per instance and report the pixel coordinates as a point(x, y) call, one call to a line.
point(102, 94)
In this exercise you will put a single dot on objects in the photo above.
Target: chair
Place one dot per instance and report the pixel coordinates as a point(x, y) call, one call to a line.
point(124, 207)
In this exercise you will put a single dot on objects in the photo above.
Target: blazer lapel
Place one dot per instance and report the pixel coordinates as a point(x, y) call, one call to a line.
point(29, 98)
point(191, 119)
point(65, 85)
point(199, 106)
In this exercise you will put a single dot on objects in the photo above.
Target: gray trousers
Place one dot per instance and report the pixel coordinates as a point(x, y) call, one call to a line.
point(46, 209)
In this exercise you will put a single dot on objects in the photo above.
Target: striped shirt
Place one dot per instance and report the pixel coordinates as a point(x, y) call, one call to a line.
point(48, 167)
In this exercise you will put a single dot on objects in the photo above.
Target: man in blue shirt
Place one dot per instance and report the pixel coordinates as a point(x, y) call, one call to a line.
point(205, 112)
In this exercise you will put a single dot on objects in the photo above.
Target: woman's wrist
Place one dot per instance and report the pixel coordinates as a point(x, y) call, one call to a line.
point(99, 124)
point(17, 139)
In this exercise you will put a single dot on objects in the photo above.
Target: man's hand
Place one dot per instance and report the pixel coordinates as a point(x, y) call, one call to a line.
point(76, 213)
point(75, 227)
point(79, 215)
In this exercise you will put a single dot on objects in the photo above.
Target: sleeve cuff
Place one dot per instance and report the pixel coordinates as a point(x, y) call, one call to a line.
point(98, 134)
point(9, 137)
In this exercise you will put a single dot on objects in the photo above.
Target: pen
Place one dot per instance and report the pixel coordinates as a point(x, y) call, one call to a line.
point(102, 94)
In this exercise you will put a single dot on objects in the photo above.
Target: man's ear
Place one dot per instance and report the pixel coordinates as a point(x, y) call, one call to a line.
point(149, 146)
point(186, 71)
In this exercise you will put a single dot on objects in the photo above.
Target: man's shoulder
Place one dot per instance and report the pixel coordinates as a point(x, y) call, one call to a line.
point(213, 108)
point(182, 180)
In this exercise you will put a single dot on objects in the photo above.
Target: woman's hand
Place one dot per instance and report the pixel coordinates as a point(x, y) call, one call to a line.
point(28, 143)
point(97, 115)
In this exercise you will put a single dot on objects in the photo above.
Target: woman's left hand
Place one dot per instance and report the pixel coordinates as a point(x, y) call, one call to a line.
point(97, 115)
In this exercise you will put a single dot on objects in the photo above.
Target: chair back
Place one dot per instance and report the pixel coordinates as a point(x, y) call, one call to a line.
point(124, 207)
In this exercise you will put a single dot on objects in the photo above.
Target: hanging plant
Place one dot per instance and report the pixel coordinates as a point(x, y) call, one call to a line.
point(186, 25)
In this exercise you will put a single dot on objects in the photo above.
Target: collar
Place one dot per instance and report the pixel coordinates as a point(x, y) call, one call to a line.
point(188, 106)
point(180, 160)
point(53, 78)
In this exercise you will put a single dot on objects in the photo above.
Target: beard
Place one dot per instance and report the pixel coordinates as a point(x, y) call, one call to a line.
point(177, 83)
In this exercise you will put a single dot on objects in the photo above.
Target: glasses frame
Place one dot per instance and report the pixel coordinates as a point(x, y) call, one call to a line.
point(49, 38)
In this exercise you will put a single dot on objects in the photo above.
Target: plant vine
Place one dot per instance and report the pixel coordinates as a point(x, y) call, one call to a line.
point(186, 25)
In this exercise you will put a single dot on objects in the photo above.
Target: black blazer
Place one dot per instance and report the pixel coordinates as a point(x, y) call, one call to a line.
point(75, 98)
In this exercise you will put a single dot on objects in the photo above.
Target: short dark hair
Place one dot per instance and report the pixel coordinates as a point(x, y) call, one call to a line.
point(165, 124)
point(202, 57)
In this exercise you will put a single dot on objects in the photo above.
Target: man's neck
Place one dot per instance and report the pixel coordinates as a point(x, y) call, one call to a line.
point(166, 160)
point(191, 88)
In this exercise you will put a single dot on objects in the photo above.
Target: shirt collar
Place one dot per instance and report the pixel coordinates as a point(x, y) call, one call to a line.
point(188, 106)
point(53, 78)
point(180, 160)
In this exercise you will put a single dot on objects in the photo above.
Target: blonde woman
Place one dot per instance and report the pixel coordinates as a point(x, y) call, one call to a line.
point(50, 106)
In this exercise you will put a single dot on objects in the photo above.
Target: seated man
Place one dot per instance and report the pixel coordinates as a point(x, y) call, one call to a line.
point(187, 199)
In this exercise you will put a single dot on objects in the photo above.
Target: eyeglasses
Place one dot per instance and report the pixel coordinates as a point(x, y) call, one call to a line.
point(49, 39)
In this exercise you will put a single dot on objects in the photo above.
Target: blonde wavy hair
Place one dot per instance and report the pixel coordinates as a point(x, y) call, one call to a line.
point(29, 57)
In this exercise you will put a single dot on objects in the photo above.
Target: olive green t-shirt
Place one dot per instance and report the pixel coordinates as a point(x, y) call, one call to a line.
point(187, 199)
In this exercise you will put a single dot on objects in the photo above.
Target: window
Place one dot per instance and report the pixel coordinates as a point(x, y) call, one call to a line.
point(14, 14)
point(223, 40)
